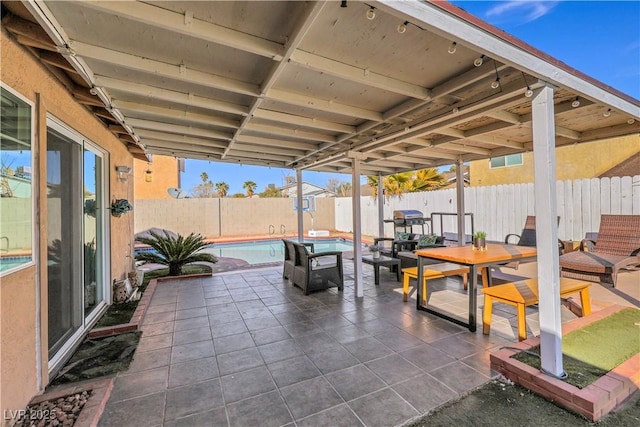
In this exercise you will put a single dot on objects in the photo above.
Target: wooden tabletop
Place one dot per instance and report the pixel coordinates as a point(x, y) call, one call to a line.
point(495, 253)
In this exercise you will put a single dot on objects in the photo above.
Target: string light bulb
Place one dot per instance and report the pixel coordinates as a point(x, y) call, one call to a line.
point(402, 28)
point(452, 48)
point(607, 113)
point(496, 83)
point(575, 103)
point(478, 61)
point(371, 13)
point(631, 121)
point(528, 93)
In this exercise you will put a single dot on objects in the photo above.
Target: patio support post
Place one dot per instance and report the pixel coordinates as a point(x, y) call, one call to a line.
point(380, 206)
point(547, 230)
point(357, 223)
point(299, 207)
point(460, 200)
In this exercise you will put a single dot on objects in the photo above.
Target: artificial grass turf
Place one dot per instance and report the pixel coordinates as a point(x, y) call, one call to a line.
point(607, 342)
point(592, 351)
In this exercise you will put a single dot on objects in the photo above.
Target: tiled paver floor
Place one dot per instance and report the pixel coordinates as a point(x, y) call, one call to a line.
point(246, 348)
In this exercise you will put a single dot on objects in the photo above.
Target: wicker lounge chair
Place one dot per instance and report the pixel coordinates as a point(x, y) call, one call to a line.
point(617, 249)
point(314, 271)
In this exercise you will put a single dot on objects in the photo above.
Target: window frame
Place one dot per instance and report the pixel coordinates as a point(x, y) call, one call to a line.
point(35, 177)
point(506, 163)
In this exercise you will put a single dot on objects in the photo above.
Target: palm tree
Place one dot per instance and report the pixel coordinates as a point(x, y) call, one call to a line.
point(205, 189)
point(397, 184)
point(372, 181)
point(426, 179)
point(250, 186)
point(222, 188)
point(174, 251)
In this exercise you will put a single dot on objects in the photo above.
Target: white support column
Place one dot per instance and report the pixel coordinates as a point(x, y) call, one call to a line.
point(300, 211)
point(544, 146)
point(357, 223)
point(460, 200)
point(380, 206)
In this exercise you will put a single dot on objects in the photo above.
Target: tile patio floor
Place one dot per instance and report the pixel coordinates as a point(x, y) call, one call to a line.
point(246, 348)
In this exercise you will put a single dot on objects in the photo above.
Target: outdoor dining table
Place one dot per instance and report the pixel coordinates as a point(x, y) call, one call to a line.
point(494, 254)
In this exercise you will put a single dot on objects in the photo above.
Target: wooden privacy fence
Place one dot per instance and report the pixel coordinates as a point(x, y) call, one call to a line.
point(502, 209)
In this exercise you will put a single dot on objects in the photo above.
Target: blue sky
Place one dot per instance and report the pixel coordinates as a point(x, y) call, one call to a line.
point(599, 38)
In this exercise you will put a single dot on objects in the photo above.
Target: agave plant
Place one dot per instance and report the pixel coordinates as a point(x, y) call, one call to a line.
point(174, 251)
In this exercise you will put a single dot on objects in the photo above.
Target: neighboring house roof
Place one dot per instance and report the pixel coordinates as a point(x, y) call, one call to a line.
point(629, 167)
point(451, 178)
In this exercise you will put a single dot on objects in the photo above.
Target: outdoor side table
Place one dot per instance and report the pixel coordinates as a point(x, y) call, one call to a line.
point(384, 261)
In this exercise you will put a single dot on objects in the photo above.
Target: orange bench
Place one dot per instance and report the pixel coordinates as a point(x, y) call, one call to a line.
point(525, 293)
point(432, 271)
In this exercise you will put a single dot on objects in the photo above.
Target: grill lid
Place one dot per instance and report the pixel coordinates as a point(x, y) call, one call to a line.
point(407, 214)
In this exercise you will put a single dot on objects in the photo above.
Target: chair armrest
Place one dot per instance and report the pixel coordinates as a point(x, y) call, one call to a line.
point(328, 253)
point(506, 239)
point(636, 253)
point(310, 245)
point(382, 239)
point(587, 245)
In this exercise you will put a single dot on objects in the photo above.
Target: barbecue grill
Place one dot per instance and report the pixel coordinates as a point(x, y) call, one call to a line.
point(407, 218)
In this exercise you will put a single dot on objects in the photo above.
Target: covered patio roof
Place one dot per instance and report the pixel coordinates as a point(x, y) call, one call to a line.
point(305, 85)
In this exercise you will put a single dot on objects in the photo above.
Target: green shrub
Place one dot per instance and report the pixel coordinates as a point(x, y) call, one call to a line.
point(174, 251)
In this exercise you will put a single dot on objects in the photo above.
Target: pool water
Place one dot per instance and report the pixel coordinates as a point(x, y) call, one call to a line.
point(265, 251)
point(7, 263)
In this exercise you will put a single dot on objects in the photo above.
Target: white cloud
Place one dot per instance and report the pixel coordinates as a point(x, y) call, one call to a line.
point(524, 11)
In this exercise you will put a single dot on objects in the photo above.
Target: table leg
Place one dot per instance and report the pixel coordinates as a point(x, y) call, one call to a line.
point(376, 274)
point(522, 322)
point(419, 280)
point(486, 314)
point(398, 272)
point(405, 288)
point(473, 304)
point(585, 301)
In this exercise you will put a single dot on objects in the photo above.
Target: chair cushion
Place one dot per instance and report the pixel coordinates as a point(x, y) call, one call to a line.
point(589, 261)
point(426, 240)
point(402, 236)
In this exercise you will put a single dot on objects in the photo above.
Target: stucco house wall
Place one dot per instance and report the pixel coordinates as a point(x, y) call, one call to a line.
point(23, 319)
point(164, 174)
point(573, 162)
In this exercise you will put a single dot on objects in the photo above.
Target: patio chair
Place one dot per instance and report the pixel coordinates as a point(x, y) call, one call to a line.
point(314, 271)
point(617, 249)
point(390, 246)
point(526, 238)
point(290, 258)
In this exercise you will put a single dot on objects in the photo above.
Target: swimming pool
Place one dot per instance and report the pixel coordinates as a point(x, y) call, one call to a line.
point(7, 263)
point(265, 251)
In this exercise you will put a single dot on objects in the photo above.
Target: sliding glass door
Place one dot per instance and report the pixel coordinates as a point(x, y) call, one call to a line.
point(75, 235)
point(64, 230)
point(92, 229)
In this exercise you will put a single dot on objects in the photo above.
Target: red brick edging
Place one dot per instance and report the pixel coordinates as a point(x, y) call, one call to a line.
point(141, 309)
point(93, 407)
point(594, 401)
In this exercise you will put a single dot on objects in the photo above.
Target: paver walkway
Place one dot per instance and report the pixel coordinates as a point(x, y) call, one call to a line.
point(246, 348)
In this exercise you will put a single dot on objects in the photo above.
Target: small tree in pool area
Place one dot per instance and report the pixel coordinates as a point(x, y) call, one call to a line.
point(174, 251)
